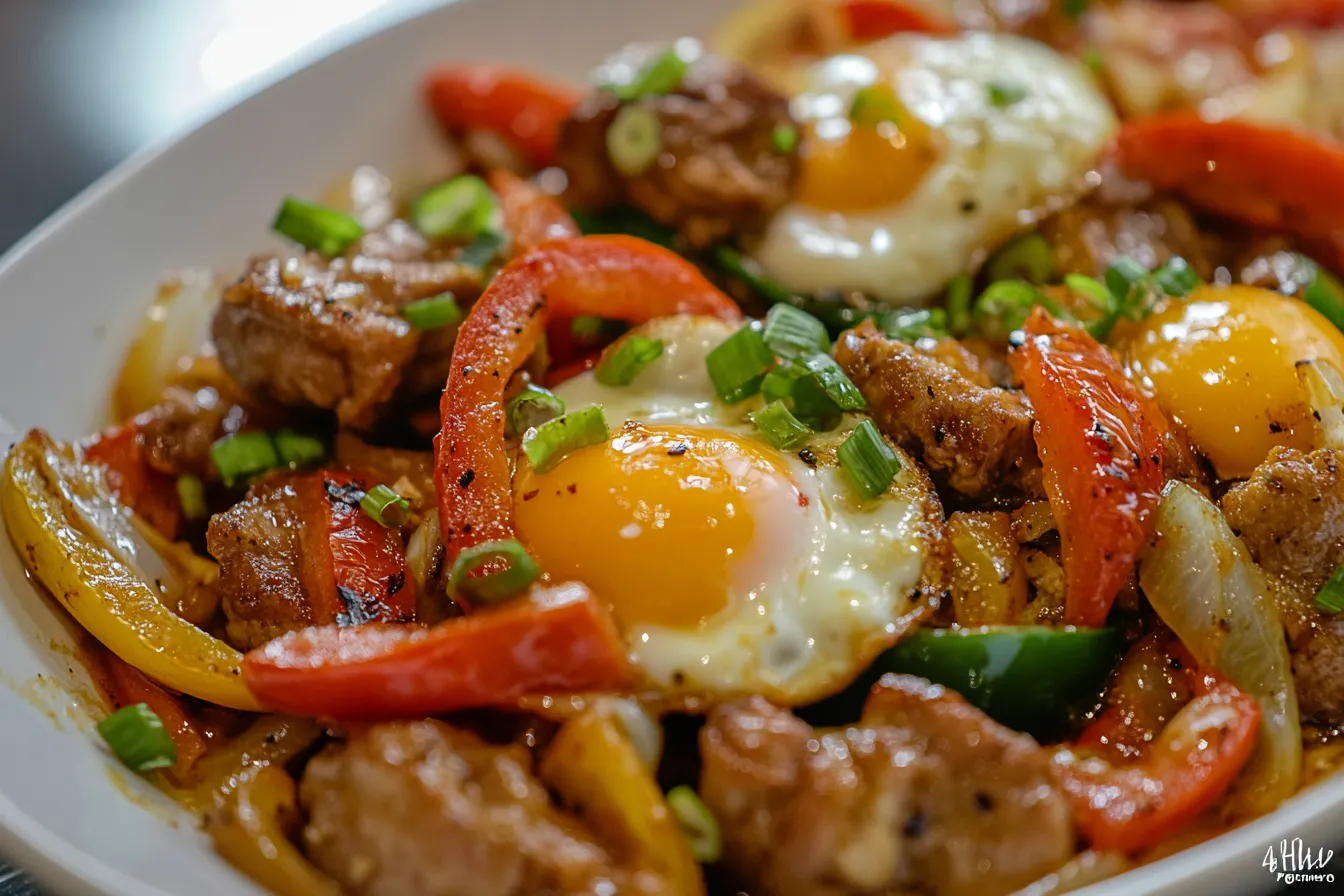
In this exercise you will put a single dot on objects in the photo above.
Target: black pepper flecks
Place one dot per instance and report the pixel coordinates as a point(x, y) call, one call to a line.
point(467, 477)
point(808, 456)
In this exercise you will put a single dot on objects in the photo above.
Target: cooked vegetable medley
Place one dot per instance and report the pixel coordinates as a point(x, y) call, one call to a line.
point(890, 447)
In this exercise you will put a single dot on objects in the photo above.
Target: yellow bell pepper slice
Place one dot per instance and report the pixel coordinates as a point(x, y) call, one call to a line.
point(598, 773)
point(49, 500)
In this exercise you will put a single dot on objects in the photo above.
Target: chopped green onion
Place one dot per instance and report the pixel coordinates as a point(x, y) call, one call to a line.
point(462, 208)
point(1098, 297)
point(697, 823)
point(136, 736)
point(316, 227)
point(1002, 94)
point(587, 326)
point(241, 456)
point(784, 139)
point(548, 444)
point(873, 105)
point(634, 140)
point(386, 507)
point(496, 585)
point(790, 331)
point(660, 77)
point(915, 323)
point(869, 460)
point(834, 381)
point(1028, 257)
point(1176, 278)
point(780, 428)
point(532, 407)
point(750, 273)
point(959, 305)
point(1074, 9)
point(1005, 304)
point(620, 367)
point(802, 394)
point(1124, 277)
point(1326, 295)
point(297, 449)
point(1093, 60)
point(482, 250)
point(433, 313)
point(1331, 596)
point(738, 364)
point(191, 495)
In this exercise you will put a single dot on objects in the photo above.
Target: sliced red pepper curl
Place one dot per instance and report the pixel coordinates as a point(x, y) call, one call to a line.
point(128, 686)
point(1268, 15)
point(150, 493)
point(1188, 768)
point(616, 277)
point(558, 641)
point(524, 110)
point(1259, 174)
point(1100, 441)
point(869, 20)
point(354, 568)
point(531, 215)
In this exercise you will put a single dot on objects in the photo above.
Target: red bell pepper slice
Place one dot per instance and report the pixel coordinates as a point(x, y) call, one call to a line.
point(1260, 174)
point(127, 686)
point(559, 640)
point(524, 110)
point(1100, 442)
point(616, 277)
point(1192, 763)
point(531, 215)
point(869, 20)
point(149, 492)
point(1267, 15)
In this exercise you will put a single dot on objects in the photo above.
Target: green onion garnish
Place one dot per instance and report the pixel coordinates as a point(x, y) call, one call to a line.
point(959, 305)
point(735, 265)
point(790, 331)
point(869, 460)
point(738, 364)
point(1325, 294)
point(241, 456)
point(532, 407)
point(462, 208)
point(802, 394)
point(697, 823)
point(1176, 277)
point(873, 105)
point(1028, 257)
point(1002, 94)
point(316, 227)
point(620, 367)
point(136, 736)
point(634, 140)
point(836, 384)
point(780, 428)
point(548, 444)
point(660, 77)
point(1125, 277)
point(433, 313)
point(784, 139)
point(1074, 9)
point(386, 507)
point(915, 323)
point(1331, 596)
point(297, 449)
point(1093, 60)
point(519, 571)
point(1100, 298)
point(1005, 304)
point(482, 250)
point(191, 495)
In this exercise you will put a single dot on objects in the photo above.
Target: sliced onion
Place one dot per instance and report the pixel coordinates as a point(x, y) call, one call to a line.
point(175, 327)
point(1204, 586)
point(642, 729)
point(1325, 392)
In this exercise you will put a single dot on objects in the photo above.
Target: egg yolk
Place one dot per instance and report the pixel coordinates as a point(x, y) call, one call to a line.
point(853, 167)
point(1222, 365)
point(665, 524)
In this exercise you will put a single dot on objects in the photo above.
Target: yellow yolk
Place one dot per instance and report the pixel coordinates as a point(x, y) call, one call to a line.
point(666, 524)
point(1222, 365)
point(849, 167)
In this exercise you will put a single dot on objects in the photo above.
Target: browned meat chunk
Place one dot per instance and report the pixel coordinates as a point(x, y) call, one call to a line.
point(719, 173)
point(971, 434)
point(410, 473)
point(926, 794)
point(420, 807)
point(1090, 235)
point(310, 332)
point(1290, 514)
point(259, 546)
point(178, 432)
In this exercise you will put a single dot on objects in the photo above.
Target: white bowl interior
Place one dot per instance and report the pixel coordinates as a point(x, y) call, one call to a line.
point(70, 297)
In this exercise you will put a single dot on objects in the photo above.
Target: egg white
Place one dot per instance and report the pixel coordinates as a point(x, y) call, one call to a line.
point(1001, 167)
point(801, 626)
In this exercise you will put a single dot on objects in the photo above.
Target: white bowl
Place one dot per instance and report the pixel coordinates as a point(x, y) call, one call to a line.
point(70, 296)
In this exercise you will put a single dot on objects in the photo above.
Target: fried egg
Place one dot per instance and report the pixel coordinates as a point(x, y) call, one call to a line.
point(731, 567)
point(1222, 365)
point(988, 132)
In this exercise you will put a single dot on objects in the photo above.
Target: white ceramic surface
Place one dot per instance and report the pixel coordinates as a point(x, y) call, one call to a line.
point(69, 299)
